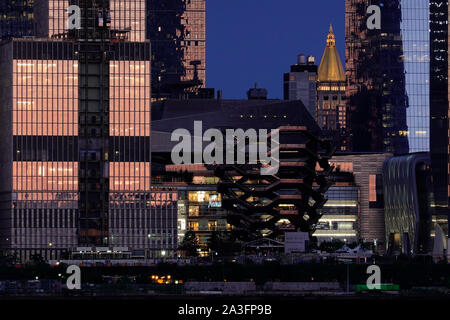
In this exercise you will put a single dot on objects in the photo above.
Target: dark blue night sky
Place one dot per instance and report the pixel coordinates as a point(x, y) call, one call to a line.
point(252, 41)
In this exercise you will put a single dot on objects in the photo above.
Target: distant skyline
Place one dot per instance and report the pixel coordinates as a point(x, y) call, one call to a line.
point(258, 40)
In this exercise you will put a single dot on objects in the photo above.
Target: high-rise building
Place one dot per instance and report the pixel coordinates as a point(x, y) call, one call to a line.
point(75, 163)
point(398, 84)
point(439, 108)
point(331, 113)
point(376, 91)
point(176, 28)
point(389, 76)
point(177, 31)
point(415, 36)
point(300, 83)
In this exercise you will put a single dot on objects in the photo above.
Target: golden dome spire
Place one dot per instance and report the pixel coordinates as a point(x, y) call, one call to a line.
point(331, 40)
point(330, 68)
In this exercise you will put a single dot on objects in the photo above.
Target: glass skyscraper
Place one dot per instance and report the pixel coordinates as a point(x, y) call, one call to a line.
point(405, 107)
point(439, 108)
point(401, 53)
point(376, 81)
point(415, 37)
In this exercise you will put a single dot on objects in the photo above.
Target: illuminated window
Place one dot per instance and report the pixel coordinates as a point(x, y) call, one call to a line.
point(193, 211)
point(372, 188)
point(212, 225)
point(193, 225)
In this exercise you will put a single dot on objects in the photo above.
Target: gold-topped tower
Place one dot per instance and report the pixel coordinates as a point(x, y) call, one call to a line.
point(330, 68)
point(331, 113)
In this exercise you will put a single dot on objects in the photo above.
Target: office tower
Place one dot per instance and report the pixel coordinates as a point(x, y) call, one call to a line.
point(415, 36)
point(331, 113)
point(177, 31)
point(376, 92)
point(126, 17)
point(402, 67)
point(439, 108)
point(76, 132)
point(300, 83)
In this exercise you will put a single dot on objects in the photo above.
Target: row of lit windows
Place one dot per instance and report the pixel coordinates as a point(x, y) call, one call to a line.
point(38, 94)
point(125, 15)
point(63, 176)
point(195, 226)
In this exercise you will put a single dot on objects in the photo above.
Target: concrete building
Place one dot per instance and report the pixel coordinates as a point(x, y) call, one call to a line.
point(354, 210)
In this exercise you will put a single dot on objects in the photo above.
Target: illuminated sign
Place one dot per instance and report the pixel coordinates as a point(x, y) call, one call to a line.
point(214, 201)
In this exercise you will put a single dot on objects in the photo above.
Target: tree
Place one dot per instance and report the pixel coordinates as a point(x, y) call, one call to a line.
point(190, 244)
point(224, 243)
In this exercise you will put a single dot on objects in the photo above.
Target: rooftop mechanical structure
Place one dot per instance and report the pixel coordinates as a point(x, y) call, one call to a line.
point(270, 205)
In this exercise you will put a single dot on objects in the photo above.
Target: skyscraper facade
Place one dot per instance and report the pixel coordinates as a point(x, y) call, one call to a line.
point(439, 107)
point(177, 31)
point(300, 83)
point(76, 132)
point(331, 113)
point(398, 84)
point(383, 66)
point(415, 36)
point(376, 91)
